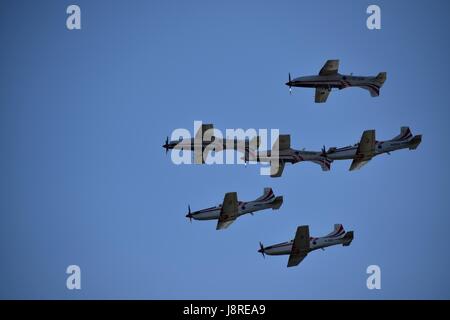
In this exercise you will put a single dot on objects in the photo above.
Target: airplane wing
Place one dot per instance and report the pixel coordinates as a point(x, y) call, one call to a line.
point(358, 164)
point(201, 131)
point(283, 142)
point(300, 248)
point(229, 211)
point(322, 94)
point(365, 151)
point(199, 137)
point(331, 67)
point(198, 156)
point(276, 168)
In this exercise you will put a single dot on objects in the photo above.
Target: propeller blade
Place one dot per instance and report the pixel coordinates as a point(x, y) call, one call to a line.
point(290, 87)
point(166, 146)
point(261, 249)
point(324, 152)
point(189, 215)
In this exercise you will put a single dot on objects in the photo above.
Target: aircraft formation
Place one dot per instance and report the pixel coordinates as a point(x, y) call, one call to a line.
point(281, 153)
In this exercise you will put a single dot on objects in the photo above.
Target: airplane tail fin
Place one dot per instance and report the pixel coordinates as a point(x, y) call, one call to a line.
point(405, 134)
point(414, 143)
point(267, 195)
point(381, 78)
point(374, 86)
point(337, 232)
point(347, 239)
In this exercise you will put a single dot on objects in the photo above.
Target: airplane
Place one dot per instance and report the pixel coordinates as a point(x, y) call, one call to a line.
point(368, 147)
point(302, 244)
point(202, 141)
point(329, 78)
point(288, 155)
point(227, 212)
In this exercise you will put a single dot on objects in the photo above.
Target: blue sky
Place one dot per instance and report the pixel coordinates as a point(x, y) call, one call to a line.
point(83, 115)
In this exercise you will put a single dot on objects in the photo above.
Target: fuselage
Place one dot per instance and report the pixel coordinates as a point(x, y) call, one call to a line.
point(186, 144)
point(314, 244)
point(216, 144)
point(381, 147)
point(291, 156)
point(243, 208)
point(332, 81)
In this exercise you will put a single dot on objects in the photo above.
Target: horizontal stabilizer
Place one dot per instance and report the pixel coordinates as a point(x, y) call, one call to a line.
point(414, 143)
point(348, 238)
point(276, 204)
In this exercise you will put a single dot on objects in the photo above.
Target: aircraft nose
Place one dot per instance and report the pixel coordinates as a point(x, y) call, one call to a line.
point(189, 216)
point(167, 146)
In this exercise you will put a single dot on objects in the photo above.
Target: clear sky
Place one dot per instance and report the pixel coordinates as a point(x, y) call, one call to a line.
point(84, 180)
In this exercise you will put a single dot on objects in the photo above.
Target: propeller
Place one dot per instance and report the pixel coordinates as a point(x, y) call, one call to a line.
point(261, 249)
point(189, 215)
point(290, 84)
point(246, 157)
point(166, 145)
point(324, 152)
